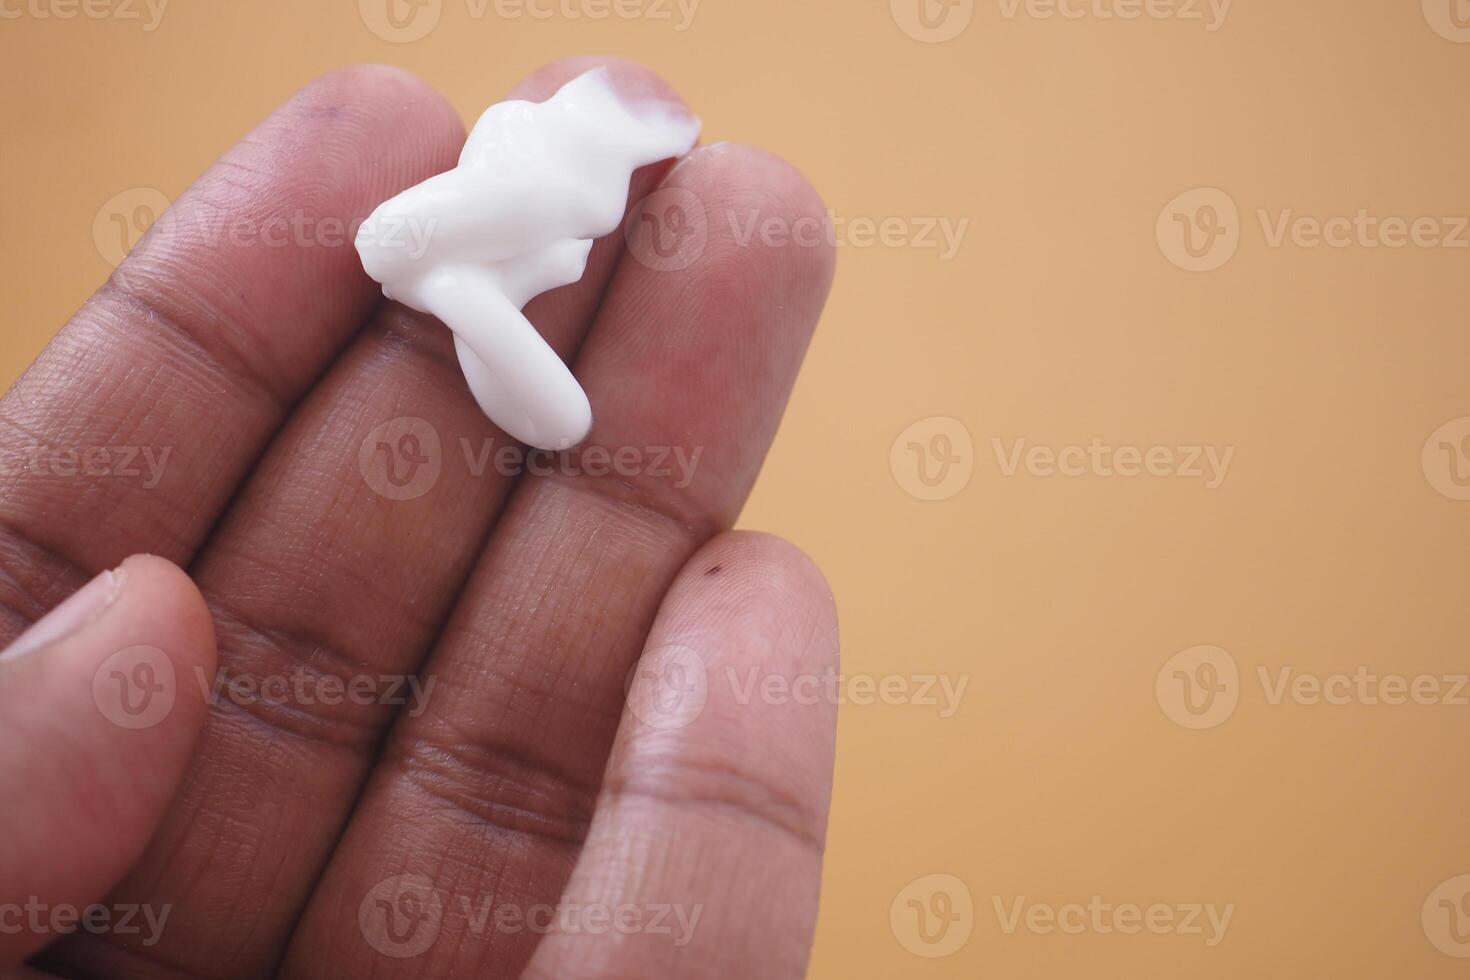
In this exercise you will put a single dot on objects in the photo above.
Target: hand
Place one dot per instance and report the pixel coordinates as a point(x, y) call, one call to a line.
point(416, 753)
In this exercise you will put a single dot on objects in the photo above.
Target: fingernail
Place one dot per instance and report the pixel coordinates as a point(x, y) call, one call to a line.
point(81, 608)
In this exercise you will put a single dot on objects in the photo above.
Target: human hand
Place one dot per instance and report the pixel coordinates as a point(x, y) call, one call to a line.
point(349, 524)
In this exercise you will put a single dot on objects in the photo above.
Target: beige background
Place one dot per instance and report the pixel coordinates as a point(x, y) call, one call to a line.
point(1332, 543)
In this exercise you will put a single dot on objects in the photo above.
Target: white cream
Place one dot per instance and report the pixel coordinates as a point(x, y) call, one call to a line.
point(535, 184)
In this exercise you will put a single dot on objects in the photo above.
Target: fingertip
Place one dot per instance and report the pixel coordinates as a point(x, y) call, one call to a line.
point(163, 595)
point(759, 561)
point(633, 81)
point(758, 266)
point(784, 221)
point(757, 574)
point(388, 89)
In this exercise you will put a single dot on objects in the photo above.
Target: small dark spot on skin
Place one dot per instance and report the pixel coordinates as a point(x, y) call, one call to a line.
point(713, 569)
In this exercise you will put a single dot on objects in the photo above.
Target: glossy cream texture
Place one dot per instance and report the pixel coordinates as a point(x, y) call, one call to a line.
point(536, 183)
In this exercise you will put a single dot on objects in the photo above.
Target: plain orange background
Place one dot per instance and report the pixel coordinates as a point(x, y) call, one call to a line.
point(1332, 543)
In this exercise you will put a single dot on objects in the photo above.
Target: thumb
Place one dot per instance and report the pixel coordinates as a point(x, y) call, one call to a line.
point(99, 709)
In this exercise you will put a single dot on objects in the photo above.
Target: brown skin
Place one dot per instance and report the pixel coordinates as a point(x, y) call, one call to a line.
point(527, 600)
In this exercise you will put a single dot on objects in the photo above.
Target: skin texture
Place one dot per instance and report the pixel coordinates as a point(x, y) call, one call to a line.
point(546, 609)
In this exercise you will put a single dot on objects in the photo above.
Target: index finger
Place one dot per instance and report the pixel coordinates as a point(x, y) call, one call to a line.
point(157, 397)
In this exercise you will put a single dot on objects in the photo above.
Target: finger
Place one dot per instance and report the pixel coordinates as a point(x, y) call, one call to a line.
point(705, 856)
point(336, 566)
point(489, 792)
point(98, 714)
point(152, 403)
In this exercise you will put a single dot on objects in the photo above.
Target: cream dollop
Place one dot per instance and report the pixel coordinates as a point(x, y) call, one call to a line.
point(536, 183)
